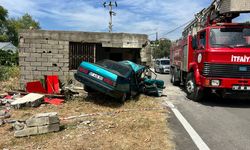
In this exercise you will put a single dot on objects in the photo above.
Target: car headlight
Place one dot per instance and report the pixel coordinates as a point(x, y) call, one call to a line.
point(215, 82)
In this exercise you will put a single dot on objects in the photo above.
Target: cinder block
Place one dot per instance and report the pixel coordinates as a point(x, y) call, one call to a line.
point(41, 121)
point(66, 64)
point(30, 59)
point(21, 54)
point(26, 132)
point(58, 56)
point(36, 64)
point(37, 73)
point(42, 68)
point(49, 128)
point(40, 50)
point(53, 42)
point(30, 68)
point(29, 77)
point(40, 41)
point(39, 55)
point(64, 60)
point(51, 118)
point(53, 69)
point(46, 64)
point(25, 45)
point(65, 69)
point(21, 59)
point(42, 59)
point(53, 60)
point(46, 46)
point(60, 64)
point(66, 56)
point(63, 42)
point(24, 63)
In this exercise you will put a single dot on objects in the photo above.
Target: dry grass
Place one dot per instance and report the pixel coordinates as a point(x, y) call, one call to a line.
point(135, 130)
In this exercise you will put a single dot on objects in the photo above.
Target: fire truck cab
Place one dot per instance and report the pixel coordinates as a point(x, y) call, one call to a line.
point(215, 58)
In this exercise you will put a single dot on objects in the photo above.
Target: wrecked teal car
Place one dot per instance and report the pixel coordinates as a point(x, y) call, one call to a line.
point(120, 80)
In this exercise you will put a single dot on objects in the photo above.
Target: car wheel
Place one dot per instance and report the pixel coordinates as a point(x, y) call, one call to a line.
point(159, 93)
point(88, 89)
point(124, 97)
point(194, 92)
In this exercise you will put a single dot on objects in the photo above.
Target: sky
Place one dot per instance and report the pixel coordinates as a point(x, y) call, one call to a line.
point(132, 16)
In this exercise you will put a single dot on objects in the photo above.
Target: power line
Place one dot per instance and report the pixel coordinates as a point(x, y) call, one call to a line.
point(177, 28)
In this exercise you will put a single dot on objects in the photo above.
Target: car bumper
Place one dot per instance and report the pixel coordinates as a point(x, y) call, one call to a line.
point(98, 86)
point(165, 70)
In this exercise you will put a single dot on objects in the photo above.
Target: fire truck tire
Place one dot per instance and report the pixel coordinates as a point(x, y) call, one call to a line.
point(193, 91)
point(174, 81)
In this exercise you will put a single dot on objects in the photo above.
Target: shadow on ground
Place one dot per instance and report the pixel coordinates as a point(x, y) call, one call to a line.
point(103, 100)
point(216, 101)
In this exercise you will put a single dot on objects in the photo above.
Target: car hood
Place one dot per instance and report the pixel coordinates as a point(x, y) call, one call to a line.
point(135, 67)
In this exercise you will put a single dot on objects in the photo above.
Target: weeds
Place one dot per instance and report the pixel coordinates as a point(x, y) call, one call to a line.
point(7, 72)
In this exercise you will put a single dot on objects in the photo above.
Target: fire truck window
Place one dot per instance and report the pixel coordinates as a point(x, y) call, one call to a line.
point(202, 41)
point(194, 42)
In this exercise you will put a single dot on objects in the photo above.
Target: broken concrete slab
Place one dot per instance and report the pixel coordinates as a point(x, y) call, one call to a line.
point(18, 125)
point(38, 124)
point(26, 132)
point(4, 114)
point(42, 119)
point(30, 100)
point(49, 128)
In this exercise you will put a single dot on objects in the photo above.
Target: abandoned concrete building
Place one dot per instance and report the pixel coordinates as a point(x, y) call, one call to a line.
point(60, 52)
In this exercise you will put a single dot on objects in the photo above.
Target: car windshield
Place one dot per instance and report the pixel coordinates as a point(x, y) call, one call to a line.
point(165, 62)
point(115, 67)
point(230, 37)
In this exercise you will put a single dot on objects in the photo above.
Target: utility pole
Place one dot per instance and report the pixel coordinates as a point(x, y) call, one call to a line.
point(111, 13)
point(156, 36)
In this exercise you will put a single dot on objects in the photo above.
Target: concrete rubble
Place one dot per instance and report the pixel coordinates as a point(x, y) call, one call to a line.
point(30, 100)
point(3, 115)
point(37, 124)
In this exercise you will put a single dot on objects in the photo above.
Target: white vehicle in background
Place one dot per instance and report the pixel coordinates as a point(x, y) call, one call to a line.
point(162, 65)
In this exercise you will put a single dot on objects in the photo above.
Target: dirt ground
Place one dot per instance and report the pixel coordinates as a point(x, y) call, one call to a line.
point(133, 130)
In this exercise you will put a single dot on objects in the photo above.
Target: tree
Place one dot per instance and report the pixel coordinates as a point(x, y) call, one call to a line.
point(25, 22)
point(162, 48)
point(3, 24)
point(9, 27)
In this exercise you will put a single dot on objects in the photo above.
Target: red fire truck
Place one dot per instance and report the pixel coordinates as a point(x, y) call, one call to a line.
point(213, 55)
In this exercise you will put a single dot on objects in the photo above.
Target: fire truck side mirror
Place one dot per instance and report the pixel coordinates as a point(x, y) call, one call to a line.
point(194, 42)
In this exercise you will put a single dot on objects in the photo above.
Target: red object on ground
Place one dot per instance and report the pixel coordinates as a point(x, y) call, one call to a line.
point(52, 84)
point(35, 87)
point(8, 97)
point(54, 101)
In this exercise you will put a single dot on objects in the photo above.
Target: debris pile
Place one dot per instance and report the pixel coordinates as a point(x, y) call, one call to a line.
point(38, 124)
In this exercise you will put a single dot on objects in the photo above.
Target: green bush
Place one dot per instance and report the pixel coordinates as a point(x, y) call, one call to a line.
point(8, 58)
point(7, 72)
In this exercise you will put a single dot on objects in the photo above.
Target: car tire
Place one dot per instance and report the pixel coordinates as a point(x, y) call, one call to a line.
point(124, 97)
point(88, 89)
point(194, 92)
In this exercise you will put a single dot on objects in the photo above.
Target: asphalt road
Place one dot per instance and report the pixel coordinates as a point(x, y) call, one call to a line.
point(222, 124)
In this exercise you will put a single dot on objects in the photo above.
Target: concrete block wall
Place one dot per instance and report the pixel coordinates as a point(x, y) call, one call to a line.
point(44, 52)
point(39, 57)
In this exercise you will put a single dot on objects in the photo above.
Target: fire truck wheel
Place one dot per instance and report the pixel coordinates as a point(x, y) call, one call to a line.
point(193, 91)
